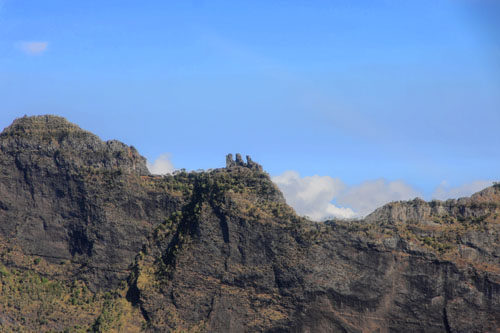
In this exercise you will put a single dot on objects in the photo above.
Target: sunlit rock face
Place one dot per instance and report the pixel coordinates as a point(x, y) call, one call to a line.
point(221, 251)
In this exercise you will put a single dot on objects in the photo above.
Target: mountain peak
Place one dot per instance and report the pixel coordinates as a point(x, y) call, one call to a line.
point(56, 140)
point(43, 123)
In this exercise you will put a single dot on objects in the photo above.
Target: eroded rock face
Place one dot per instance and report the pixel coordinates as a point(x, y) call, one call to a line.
point(221, 251)
point(238, 162)
point(240, 272)
point(65, 195)
point(55, 142)
point(481, 204)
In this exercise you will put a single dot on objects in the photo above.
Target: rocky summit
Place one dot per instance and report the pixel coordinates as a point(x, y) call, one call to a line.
point(91, 241)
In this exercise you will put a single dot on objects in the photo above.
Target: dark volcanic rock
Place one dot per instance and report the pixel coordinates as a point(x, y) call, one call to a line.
point(221, 251)
point(230, 163)
point(67, 195)
point(32, 138)
point(235, 271)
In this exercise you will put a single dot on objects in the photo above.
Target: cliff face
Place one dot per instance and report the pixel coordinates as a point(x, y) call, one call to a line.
point(221, 251)
point(271, 271)
point(65, 195)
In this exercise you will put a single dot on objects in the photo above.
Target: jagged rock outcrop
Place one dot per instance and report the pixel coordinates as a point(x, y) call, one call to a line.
point(469, 223)
point(481, 204)
point(31, 138)
point(230, 163)
point(220, 251)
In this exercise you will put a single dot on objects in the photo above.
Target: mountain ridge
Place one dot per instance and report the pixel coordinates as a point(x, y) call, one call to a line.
point(221, 250)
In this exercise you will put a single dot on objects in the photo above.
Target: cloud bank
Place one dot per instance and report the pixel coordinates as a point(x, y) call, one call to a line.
point(33, 48)
point(312, 196)
point(369, 195)
point(322, 197)
point(162, 165)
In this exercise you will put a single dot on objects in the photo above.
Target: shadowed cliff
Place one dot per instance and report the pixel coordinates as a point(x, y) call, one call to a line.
point(92, 241)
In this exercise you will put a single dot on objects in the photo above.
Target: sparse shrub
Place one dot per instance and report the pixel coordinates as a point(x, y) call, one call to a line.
point(4, 272)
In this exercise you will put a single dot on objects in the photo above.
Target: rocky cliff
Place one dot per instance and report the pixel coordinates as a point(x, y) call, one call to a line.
point(91, 241)
point(65, 195)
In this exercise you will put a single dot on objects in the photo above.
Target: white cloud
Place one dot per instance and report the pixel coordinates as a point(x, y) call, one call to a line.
point(313, 196)
point(370, 195)
point(444, 191)
point(33, 48)
point(161, 165)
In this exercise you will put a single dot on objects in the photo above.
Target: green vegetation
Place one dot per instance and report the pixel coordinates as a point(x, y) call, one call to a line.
point(117, 315)
point(36, 301)
point(33, 302)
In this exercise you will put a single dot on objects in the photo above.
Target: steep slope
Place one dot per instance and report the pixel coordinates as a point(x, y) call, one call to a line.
point(65, 195)
point(463, 229)
point(231, 262)
point(221, 251)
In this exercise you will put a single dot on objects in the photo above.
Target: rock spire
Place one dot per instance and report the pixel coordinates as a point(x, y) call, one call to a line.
point(230, 163)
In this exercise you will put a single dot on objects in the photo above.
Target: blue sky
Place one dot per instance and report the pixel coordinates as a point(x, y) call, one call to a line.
point(361, 92)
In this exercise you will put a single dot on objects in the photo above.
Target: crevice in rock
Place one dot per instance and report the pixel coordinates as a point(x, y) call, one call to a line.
point(224, 228)
point(446, 322)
